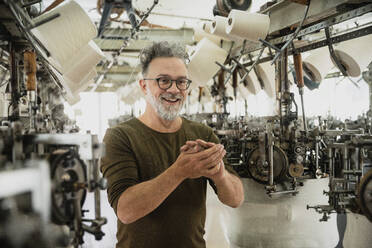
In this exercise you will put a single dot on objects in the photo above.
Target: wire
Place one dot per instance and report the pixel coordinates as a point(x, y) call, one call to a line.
point(3, 84)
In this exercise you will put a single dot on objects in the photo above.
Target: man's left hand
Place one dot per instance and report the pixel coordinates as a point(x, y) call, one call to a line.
point(199, 145)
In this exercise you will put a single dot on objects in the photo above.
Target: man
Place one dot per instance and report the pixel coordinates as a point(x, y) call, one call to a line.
point(158, 165)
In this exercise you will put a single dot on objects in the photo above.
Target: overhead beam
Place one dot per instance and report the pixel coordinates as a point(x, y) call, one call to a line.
point(117, 69)
point(113, 38)
point(294, 12)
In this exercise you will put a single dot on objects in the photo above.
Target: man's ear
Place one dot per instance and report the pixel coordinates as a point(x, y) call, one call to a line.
point(142, 85)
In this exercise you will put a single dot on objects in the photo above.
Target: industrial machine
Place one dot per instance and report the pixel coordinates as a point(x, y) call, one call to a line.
point(282, 150)
point(46, 167)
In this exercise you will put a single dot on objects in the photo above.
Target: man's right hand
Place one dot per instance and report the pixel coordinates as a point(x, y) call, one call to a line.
point(202, 163)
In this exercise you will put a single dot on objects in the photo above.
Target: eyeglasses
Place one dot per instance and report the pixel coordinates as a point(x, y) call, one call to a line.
point(165, 83)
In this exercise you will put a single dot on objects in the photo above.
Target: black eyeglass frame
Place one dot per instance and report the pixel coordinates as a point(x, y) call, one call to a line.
point(172, 80)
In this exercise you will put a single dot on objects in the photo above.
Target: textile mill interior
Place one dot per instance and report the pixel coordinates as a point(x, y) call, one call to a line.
point(284, 85)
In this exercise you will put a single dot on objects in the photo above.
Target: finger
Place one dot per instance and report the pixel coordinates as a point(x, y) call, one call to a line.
point(213, 170)
point(184, 148)
point(191, 143)
point(223, 153)
point(216, 158)
point(210, 166)
point(202, 143)
point(215, 154)
point(207, 153)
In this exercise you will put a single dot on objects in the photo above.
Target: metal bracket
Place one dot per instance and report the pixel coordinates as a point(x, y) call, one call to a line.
point(144, 17)
point(340, 66)
point(292, 36)
point(16, 11)
point(236, 64)
point(329, 22)
point(254, 64)
point(48, 19)
point(257, 74)
point(336, 39)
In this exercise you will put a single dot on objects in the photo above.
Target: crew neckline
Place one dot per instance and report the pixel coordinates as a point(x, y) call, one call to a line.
point(153, 130)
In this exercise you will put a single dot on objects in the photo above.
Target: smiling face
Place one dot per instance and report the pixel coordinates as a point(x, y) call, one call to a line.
point(166, 103)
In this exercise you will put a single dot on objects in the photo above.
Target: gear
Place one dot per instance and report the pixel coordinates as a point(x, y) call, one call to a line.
point(223, 7)
point(259, 170)
point(365, 195)
point(68, 173)
point(296, 170)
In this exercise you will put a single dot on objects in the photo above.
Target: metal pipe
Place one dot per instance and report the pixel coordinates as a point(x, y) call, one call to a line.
point(346, 166)
point(14, 84)
point(330, 163)
point(358, 170)
point(97, 190)
point(317, 153)
point(283, 192)
point(271, 158)
point(353, 172)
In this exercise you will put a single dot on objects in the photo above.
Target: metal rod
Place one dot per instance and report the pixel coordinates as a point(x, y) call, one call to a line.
point(39, 23)
point(335, 58)
point(97, 191)
point(254, 63)
point(317, 153)
point(301, 91)
point(293, 36)
point(146, 14)
point(30, 3)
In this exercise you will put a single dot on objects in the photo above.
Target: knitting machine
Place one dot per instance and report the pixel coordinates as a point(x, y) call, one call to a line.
point(283, 150)
point(46, 167)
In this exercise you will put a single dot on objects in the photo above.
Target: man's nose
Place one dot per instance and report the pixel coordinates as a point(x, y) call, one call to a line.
point(173, 88)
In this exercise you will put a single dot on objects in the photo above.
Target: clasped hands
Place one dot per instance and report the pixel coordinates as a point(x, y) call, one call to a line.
point(199, 158)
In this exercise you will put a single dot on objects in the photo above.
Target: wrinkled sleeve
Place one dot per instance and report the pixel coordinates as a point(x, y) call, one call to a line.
point(213, 138)
point(118, 165)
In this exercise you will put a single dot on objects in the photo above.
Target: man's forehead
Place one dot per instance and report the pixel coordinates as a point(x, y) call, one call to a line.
point(167, 62)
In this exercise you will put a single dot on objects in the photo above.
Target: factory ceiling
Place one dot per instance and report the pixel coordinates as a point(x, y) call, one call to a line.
point(171, 20)
point(175, 20)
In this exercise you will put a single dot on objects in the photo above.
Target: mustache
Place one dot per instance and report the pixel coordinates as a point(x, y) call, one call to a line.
point(172, 96)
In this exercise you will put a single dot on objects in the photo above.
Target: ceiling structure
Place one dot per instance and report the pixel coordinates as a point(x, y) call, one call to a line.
point(177, 18)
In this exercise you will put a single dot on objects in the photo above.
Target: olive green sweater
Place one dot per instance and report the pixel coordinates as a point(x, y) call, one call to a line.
point(136, 153)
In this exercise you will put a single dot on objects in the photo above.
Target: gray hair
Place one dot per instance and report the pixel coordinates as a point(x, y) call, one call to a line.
point(161, 49)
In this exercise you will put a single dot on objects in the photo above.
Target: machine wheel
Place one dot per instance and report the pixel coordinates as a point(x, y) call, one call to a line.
point(365, 195)
point(223, 7)
point(68, 174)
point(260, 170)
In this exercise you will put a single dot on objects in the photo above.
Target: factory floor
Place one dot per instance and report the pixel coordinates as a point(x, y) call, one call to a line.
point(262, 222)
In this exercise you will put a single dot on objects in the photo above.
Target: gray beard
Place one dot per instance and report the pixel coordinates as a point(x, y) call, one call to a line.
point(167, 113)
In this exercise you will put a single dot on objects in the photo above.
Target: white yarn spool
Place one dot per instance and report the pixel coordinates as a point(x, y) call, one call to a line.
point(83, 63)
point(229, 91)
point(129, 99)
point(202, 66)
point(243, 90)
point(193, 95)
point(207, 27)
point(219, 28)
point(200, 33)
point(76, 88)
point(251, 82)
point(206, 96)
point(72, 99)
point(319, 64)
point(246, 25)
point(267, 74)
point(65, 35)
point(135, 94)
point(355, 54)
